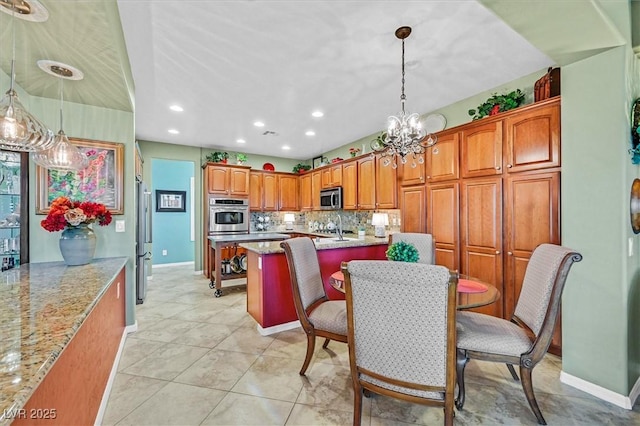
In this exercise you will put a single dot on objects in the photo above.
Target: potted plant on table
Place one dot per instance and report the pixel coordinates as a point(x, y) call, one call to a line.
point(402, 252)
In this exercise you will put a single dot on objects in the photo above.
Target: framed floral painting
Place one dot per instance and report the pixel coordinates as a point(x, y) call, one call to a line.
point(101, 181)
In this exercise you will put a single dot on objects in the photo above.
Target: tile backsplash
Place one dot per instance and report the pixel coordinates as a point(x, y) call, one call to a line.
point(323, 221)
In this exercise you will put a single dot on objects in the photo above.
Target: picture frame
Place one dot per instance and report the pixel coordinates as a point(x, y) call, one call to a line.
point(171, 201)
point(317, 161)
point(102, 181)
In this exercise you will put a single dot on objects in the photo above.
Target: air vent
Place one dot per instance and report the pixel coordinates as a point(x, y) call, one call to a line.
point(269, 133)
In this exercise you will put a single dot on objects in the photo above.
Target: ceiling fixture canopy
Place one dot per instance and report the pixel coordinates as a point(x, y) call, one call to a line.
point(405, 134)
point(19, 130)
point(63, 155)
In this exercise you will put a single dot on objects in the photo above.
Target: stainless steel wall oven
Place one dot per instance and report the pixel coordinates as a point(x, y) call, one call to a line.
point(228, 215)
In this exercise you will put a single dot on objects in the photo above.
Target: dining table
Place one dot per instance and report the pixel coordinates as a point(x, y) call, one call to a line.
point(472, 292)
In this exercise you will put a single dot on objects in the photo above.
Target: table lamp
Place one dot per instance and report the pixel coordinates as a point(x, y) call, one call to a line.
point(289, 218)
point(379, 221)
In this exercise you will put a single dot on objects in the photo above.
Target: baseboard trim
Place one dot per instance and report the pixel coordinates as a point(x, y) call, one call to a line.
point(605, 394)
point(277, 328)
point(112, 375)
point(167, 265)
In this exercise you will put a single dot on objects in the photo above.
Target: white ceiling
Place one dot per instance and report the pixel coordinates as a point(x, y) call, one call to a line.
point(230, 63)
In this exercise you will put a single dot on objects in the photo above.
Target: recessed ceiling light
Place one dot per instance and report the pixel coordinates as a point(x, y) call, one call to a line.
point(241, 141)
point(258, 124)
point(310, 133)
point(173, 131)
point(317, 114)
point(176, 108)
point(286, 147)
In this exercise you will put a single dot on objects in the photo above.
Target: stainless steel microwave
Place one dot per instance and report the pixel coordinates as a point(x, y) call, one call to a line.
point(331, 198)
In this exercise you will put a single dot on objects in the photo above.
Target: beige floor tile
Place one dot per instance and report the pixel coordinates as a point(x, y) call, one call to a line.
point(315, 415)
point(217, 369)
point(175, 404)
point(166, 362)
point(127, 393)
point(165, 330)
point(205, 335)
point(271, 377)
point(136, 349)
point(247, 340)
point(237, 409)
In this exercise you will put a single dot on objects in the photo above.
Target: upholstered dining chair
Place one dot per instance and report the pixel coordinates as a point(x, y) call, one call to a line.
point(318, 315)
point(402, 332)
point(424, 243)
point(524, 340)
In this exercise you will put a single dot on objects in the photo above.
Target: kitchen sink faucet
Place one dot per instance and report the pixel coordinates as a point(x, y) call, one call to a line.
point(339, 228)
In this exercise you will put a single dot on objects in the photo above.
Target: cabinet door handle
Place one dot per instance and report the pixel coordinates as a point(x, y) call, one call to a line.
point(510, 253)
point(498, 167)
point(428, 177)
point(497, 251)
point(509, 166)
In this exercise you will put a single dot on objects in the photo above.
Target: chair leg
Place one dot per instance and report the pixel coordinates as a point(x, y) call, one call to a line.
point(311, 345)
point(325, 344)
point(357, 404)
point(449, 413)
point(527, 386)
point(461, 362)
point(513, 372)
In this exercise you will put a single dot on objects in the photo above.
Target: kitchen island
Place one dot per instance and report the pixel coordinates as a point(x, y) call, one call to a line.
point(218, 242)
point(61, 329)
point(269, 296)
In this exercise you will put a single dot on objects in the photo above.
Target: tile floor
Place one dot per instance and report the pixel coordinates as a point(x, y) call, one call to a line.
point(198, 360)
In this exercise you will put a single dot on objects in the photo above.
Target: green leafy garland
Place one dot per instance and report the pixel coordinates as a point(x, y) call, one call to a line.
point(498, 103)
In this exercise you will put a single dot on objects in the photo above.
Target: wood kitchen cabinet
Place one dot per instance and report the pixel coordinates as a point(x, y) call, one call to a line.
point(288, 192)
point(533, 139)
point(229, 180)
point(332, 176)
point(410, 175)
point(386, 184)
point(442, 158)
point(316, 184)
point(442, 216)
point(366, 183)
point(305, 192)
point(481, 149)
point(350, 185)
point(263, 191)
point(481, 234)
point(413, 208)
point(532, 217)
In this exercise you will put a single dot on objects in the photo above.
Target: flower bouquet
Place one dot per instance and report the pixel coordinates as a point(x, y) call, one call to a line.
point(66, 213)
point(354, 151)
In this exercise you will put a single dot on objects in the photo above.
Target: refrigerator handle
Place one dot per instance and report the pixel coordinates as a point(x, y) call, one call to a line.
point(147, 212)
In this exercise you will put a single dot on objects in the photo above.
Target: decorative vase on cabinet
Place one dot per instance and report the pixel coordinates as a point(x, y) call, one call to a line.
point(14, 216)
point(78, 245)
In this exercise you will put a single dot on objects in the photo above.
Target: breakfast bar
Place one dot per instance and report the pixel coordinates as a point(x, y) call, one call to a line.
point(269, 297)
point(61, 328)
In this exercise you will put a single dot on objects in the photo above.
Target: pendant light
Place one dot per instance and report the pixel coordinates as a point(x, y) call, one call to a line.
point(19, 129)
point(405, 134)
point(63, 155)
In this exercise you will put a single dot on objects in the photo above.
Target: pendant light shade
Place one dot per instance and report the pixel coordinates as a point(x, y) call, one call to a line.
point(63, 155)
point(20, 130)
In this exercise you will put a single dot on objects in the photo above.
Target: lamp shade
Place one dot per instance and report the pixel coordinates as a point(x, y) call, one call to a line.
point(380, 219)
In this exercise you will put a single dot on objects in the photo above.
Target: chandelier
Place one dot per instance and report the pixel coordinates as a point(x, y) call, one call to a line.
point(19, 130)
point(63, 155)
point(404, 134)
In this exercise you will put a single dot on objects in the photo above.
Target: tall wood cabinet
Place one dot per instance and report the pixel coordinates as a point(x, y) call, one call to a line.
point(492, 194)
point(272, 191)
point(229, 180)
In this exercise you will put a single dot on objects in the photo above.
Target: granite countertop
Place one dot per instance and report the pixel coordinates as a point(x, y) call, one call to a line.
point(271, 247)
point(43, 306)
point(256, 236)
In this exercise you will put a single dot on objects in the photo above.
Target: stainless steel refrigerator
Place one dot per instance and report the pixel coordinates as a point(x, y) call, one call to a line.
point(143, 237)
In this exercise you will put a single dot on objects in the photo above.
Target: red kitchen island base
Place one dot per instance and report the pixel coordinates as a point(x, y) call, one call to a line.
point(269, 296)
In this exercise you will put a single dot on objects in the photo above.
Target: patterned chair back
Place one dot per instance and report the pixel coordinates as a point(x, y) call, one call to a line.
point(402, 323)
point(423, 242)
point(547, 270)
point(305, 268)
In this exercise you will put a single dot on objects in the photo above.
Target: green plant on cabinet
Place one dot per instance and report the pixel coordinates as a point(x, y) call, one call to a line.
point(498, 103)
point(301, 168)
point(218, 157)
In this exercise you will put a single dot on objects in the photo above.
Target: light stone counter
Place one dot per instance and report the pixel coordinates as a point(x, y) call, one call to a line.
point(270, 247)
point(43, 306)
